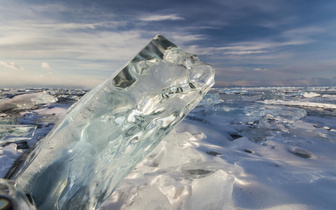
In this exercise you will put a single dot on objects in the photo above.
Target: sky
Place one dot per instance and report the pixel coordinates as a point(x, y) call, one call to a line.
point(80, 43)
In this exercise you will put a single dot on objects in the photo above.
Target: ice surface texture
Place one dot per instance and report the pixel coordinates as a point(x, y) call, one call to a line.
point(113, 127)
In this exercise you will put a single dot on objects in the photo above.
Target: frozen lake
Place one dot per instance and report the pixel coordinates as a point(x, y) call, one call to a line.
point(241, 148)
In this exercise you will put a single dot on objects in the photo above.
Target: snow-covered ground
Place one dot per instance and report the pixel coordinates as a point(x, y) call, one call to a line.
point(241, 148)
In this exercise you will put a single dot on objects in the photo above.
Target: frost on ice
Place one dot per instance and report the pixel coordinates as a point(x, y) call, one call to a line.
point(113, 127)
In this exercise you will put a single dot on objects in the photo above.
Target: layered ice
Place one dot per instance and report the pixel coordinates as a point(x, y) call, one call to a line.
point(113, 127)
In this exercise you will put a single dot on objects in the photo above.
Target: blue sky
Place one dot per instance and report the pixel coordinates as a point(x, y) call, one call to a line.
point(250, 43)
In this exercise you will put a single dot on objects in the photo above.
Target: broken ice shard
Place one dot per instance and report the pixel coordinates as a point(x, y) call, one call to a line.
point(114, 126)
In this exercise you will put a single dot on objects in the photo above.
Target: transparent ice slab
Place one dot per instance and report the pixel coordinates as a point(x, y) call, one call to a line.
point(16, 133)
point(113, 127)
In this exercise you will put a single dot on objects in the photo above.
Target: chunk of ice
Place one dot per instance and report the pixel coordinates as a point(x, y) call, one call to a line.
point(210, 99)
point(26, 101)
point(113, 127)
point(16, 132)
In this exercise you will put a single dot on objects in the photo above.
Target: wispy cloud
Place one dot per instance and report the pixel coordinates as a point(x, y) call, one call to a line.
point(245, 52)
point(158, 17)
point(11, 65)
point(303, 32)
point(67, 26)
point(247, 48)
point(37, 43)
point(257, 47)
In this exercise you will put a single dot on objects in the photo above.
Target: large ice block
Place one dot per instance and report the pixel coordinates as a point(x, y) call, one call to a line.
point(114, 126)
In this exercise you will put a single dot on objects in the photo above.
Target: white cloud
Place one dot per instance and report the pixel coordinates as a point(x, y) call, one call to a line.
point(259, 69)
point(10, 65)
point(160, 17)
point(45, 65)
